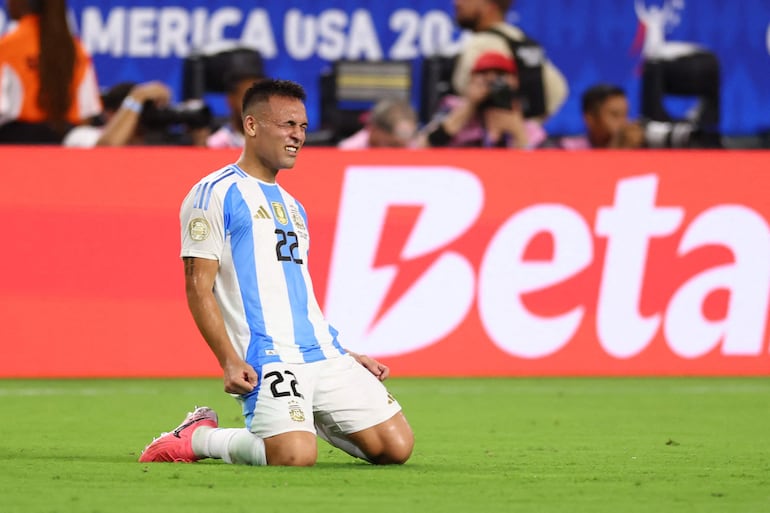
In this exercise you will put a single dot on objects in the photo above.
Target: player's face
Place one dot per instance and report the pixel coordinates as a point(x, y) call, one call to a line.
point(280, 133)
point(468, 13)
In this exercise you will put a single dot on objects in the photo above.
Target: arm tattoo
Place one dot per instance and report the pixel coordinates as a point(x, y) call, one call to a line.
point(189, 266)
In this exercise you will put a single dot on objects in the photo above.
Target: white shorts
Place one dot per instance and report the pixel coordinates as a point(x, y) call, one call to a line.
point(339, 395)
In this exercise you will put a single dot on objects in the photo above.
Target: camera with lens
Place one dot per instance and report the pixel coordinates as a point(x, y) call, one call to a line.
point(192, 114)
point(501, 95)
point(679, 134)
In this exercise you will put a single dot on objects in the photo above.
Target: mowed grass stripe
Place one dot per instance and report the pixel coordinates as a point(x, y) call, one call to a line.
point(549, 444)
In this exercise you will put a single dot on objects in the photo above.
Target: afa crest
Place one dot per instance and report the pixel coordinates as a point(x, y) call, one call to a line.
point(295, 412)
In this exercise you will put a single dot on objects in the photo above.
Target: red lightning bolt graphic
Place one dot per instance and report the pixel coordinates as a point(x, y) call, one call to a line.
point(398, 226)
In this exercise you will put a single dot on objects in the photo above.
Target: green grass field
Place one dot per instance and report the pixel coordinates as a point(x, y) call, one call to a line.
point(483, 445)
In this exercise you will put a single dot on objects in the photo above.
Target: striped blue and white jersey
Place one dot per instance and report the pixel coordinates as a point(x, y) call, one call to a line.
point(258, 233)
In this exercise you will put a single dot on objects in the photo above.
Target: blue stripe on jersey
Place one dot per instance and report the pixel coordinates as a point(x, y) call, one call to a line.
point(238, 224)
point(335, 342)
point(304, 334)
point(238, 170)
point(249, 401)
point(205, 195)
point(332, 331)
point(198, 191)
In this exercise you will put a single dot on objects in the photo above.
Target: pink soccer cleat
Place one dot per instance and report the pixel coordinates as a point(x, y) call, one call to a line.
point(177, 445)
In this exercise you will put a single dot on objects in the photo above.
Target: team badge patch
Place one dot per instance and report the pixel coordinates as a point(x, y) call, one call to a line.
point(295, 412)
point(199, 229)
point(280, 213)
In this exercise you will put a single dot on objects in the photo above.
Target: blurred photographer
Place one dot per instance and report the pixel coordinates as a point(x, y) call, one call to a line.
point(490, 112)
point(390, 123)
point(543, 82)
point(605, 115)
point(141, 114)
point(608, 126)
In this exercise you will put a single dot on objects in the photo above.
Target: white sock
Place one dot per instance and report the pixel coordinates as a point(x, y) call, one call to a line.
point(232, 445)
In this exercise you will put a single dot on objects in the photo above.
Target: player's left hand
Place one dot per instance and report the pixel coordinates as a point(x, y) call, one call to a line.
point(379, 370)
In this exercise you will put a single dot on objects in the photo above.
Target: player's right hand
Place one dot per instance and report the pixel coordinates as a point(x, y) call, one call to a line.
point(240, 378)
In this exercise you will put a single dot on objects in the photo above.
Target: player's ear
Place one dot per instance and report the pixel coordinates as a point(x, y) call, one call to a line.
point(249, 125)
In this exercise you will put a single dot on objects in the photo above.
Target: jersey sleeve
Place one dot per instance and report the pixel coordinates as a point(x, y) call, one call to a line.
point(202, 223)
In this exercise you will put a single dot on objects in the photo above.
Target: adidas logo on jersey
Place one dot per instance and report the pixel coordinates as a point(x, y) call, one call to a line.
point(262, 213)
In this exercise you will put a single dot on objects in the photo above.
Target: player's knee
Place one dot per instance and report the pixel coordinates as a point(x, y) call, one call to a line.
point(397, 455)
point(296, 449)
point(396, 450)
point(401, 451)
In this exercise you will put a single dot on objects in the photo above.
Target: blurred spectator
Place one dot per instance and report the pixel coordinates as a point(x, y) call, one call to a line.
point(486, 18)
point(47, 80)
point(605, 114)
point(489, 114)
point(230, 135)
point(123, 106)
point(389, 124)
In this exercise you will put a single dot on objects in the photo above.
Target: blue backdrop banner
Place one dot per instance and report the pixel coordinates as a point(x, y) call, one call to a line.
point(589, 40)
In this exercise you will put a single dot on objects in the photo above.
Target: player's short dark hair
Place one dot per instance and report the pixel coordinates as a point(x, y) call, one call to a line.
point(262, 91)
point(595, 96)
